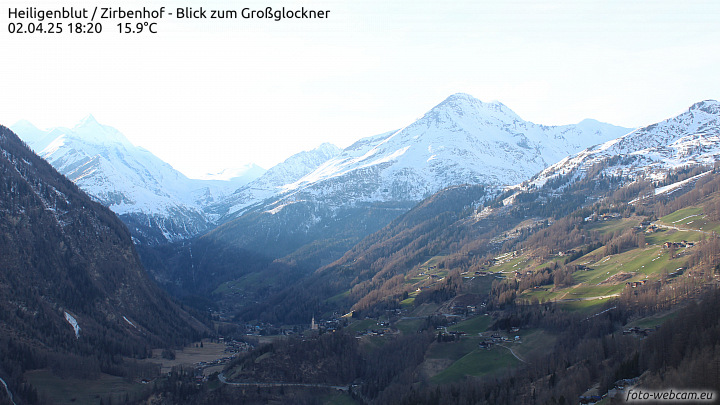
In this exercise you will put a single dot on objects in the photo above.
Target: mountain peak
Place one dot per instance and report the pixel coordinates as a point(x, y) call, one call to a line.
point(460, 106)
point(91, 131)
point(460, 97)
point(708, 106)
point(25, 124)
point(688, 139)
point(328, 147)
point(87, 121)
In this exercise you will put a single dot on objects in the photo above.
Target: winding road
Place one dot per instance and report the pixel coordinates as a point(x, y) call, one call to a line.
point(224, 380)
point(659, 225)
point(513, 353)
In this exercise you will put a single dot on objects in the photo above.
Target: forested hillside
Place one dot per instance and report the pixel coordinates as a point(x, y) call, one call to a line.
point(564, 303)
point(73, 294)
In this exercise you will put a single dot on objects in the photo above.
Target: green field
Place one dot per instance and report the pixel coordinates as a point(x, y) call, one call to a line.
point(533, 341)
point(586, 306)
point(339, 297)
point(685, 218)
point(453, 350)
point(671, 235)
point(409, 326)
point(249, 281)
point(408, 302)
point(339, 398)
point(76, 391)
point(478, 284)
point(653, 321)
point(690, 218)
point(542, 294)
point(640, 262)
point(477, 363)
point(363, 325)
point(425, 309)
point(607, 275)
point(473, 326)
point(614, 225)
point(509, 264)
point(466, 359)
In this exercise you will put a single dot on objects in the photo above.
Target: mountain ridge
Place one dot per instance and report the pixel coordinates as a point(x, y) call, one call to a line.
point(461, 140)
point(322, 215)
point(158, 202)
point(690, 138)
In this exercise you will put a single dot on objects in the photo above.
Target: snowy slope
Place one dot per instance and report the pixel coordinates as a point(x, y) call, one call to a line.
point(349, 195)
point(272, 182)
point(240, 175)
point(130, 180)
point(461, 140)
point(691, 138)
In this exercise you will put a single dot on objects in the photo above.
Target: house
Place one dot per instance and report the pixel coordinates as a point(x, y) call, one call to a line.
point(567, 252)
point(638, 332)
point(677, 272)
point(635, 284)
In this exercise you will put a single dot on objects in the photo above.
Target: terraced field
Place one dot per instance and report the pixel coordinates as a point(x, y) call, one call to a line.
point(454, 361)
point(605, 276)
point(690, 218)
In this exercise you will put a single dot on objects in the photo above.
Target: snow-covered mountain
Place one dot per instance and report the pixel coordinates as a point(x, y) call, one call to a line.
point(156, 201)
point(273, 181)
point(460, 141)
point(691, 138)
point(356, 192)
point(239, 175)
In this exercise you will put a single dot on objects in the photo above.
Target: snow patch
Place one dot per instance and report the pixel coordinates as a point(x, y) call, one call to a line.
point(7, 390)
point(128, 321)
point(673, 187)
point(278, 208)
point(71, 320)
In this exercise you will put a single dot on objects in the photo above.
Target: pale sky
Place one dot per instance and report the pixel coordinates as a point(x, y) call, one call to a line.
point(209, 94)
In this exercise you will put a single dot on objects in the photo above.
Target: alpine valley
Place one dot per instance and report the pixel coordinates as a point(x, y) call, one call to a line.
point(75, 298)
point(470, 257)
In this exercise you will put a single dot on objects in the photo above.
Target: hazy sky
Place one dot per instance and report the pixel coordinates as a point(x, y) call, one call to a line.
point(209, 94)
